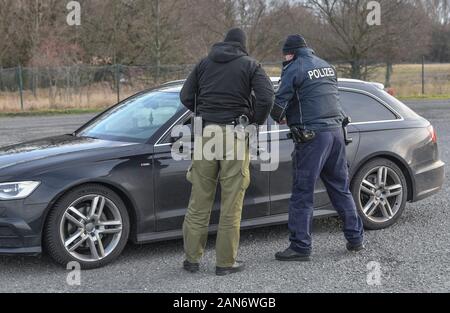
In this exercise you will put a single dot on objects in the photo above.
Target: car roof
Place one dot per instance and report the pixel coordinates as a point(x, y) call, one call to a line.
point(372, 88)
point(344, 81)
point(176, 85)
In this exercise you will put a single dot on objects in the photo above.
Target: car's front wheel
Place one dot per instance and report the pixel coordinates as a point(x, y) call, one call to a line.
point(89, 225)
point(380, 191)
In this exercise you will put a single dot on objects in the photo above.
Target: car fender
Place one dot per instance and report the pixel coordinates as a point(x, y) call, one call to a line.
point(122, 192)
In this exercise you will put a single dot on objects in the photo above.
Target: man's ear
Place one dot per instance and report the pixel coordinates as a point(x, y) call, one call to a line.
point(290, 57)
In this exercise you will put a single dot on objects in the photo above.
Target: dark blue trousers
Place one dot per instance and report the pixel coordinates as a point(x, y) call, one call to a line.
point(325, 158)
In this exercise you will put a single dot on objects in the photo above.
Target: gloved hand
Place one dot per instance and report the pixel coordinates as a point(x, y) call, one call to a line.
point(278, 113)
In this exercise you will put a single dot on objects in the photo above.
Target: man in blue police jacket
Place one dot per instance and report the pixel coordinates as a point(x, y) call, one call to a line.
point(308, 98)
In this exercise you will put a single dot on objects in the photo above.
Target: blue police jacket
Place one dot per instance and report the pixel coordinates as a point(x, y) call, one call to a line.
point(308, 95)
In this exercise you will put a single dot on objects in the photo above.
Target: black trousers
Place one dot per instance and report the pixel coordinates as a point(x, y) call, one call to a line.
point(325, 158)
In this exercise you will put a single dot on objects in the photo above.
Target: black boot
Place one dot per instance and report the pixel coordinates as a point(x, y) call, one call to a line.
point(290, 255)
point(237, 267)
point(355, 248)
point(191, 267)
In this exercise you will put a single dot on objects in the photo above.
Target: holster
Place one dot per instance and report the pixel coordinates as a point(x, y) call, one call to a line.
point(345, 124)
point(299, 135)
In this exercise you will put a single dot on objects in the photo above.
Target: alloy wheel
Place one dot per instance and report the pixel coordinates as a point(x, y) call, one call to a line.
point(381, 194)
point(91, 228)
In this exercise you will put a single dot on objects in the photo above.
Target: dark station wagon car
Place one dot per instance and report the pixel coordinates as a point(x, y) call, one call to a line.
point(83, 196)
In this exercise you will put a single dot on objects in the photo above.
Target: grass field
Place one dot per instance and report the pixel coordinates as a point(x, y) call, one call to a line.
point(406, 84)
point(94, 97)
point(407, 80)
point(50, 112)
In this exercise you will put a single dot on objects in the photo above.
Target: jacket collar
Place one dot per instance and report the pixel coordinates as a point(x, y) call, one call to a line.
point(302, 52)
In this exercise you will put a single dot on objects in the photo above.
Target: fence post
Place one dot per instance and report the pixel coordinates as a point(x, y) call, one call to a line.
point(117, 68)
point(423, 75)
point(20, 78)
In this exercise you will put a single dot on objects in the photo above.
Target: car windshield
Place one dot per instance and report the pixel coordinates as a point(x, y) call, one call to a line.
point(136, 119)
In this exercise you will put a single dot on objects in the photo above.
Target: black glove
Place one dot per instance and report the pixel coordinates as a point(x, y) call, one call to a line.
point(278, 113)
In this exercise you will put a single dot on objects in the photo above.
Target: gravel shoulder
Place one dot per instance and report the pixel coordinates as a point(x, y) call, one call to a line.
point(414, 255)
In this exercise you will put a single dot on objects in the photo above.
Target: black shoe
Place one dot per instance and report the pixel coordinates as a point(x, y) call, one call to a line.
point(191, 267)
point(237, 267)
point(355, 248)
point(290, 255)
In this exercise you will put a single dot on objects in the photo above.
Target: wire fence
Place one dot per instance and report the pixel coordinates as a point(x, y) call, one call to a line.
point(83, 86)
point(79, 86)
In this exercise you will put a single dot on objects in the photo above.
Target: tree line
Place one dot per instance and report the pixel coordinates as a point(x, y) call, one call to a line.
point(35, 33)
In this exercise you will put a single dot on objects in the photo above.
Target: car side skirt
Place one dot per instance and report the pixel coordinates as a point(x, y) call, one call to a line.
point(29, 251)
point(245, 224)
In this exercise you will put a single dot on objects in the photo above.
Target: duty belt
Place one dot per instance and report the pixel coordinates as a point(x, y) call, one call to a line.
point(242, 120)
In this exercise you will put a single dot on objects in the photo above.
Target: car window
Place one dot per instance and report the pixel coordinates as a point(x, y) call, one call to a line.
point(136, 119)
point(186, 121)
point(363, 108)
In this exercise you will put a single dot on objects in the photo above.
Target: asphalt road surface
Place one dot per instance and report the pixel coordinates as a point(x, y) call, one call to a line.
point(413, 256)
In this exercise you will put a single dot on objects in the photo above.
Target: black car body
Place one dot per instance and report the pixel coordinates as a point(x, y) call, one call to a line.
point(152, 186)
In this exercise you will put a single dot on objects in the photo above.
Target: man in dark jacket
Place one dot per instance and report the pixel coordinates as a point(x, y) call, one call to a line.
point(224, 81)
point(223, 87)
point(309, 98)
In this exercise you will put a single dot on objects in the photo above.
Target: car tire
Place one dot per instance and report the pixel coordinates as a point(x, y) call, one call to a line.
point(102, 232)
point(380, 191)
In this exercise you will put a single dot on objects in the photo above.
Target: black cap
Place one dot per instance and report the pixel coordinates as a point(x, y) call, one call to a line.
point(294, 42)
point(237, 35)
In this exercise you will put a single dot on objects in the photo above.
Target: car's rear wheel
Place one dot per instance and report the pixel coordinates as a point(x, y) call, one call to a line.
point(89, 225)
point(380, 191)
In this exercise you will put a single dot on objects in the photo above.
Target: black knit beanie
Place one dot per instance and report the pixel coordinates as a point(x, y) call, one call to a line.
point(293, 43)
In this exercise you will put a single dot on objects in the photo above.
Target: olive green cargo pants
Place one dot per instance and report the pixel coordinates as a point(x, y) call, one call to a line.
point(234, 178)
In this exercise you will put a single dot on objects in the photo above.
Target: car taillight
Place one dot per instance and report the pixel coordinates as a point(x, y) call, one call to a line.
point(432, 133)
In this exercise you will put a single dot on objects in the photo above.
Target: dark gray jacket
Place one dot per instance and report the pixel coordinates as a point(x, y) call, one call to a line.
point(308, 95)
point(224, 82)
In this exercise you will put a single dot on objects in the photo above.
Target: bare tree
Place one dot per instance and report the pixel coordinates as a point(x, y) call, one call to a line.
point(439, 12)
point(16, 32)
point(205, 22)
point(161, 32)
point(286, 18)
point(406, 32)
point(354, 40)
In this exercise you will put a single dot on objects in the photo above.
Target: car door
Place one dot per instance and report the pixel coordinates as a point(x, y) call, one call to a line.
point(172, 190)
point(281, 179)
point(366, 112)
